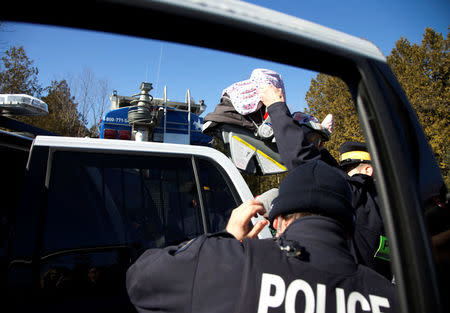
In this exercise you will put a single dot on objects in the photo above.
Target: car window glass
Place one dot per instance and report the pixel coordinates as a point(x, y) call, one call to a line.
point(219, 196)
point(130, 203)
point(14, 172)
point(78, 280)
point(100, 200)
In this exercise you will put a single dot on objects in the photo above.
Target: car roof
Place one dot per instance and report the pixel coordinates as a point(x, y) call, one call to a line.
point(230, 11)
point(304, 44)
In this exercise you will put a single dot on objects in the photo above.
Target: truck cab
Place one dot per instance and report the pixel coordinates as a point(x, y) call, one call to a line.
point(154, 119)
point(79, 211)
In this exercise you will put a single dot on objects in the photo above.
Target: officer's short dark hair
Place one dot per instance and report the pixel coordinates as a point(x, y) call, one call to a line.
point(299, 215)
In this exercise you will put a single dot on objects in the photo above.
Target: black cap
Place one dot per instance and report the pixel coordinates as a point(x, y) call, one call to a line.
point(315, 187)
point(352, 153)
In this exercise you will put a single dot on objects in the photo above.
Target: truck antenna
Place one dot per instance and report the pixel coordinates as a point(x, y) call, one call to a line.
point(159, 67)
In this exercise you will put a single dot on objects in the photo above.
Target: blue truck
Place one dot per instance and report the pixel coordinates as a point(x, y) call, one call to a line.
point(141, 117)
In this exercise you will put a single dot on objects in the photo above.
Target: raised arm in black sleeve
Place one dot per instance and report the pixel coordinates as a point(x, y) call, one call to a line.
point(292, 145)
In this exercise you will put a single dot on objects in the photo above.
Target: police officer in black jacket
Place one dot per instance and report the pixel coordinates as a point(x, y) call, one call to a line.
point(308, 268)
point(369, 244)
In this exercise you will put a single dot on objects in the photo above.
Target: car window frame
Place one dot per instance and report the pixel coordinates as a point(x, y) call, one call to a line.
point(272, 43)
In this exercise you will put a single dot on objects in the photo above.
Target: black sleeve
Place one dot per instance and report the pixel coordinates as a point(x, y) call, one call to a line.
point(175, 279)
point(291, 142)
point(219, 275)
point(328, 158)
point(161, 279)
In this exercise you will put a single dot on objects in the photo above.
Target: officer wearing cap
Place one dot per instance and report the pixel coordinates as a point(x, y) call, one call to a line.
point(308, 268)
point(369, 244)
point(355, 159)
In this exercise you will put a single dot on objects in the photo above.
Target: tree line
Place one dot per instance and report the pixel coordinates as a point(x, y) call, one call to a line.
point(422, 69)
point(72, 112)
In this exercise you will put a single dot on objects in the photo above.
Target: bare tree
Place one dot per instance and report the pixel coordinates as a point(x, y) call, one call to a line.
point(92, 97)
point(86, 95)
point(100, 105)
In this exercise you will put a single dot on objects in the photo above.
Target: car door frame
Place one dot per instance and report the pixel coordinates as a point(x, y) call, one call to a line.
point(385, 114)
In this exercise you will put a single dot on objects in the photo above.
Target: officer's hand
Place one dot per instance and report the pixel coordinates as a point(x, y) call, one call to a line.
point(271, 94)
point(239, 222)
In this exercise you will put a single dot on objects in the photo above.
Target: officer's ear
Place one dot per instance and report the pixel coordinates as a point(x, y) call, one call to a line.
point(275, 223)
point(368, 169)
point(278, 224)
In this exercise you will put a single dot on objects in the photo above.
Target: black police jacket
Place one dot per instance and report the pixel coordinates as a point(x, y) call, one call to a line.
point(369, 240)
point(309, 269)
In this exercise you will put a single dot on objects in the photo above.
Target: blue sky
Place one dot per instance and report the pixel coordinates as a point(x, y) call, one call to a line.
point(125, 62)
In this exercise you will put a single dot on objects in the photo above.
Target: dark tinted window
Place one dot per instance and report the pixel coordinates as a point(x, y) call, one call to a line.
point(84, 281)
point(102, 199)
point(218, 195)
point(13, 170)
point(103, 210)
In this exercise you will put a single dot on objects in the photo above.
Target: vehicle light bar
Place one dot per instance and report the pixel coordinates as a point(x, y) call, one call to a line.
point(21, 104)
